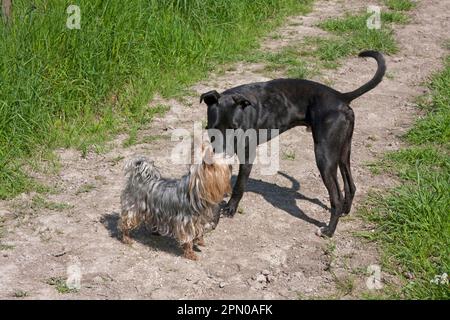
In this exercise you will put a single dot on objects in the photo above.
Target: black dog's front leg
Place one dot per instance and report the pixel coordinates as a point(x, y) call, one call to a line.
point(230, 208)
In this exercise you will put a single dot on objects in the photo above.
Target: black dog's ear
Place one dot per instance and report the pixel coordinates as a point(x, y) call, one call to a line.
point(241, 100)
point(210, 97)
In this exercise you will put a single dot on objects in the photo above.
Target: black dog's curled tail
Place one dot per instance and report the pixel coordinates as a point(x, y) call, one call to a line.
point(349, 96)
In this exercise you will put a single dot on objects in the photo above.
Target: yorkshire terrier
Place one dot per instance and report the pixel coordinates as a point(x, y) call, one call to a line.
point(184, 209)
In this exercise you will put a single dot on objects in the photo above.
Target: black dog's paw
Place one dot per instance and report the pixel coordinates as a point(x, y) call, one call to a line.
point(227, 209)
point(346, 209)
point(324, 232)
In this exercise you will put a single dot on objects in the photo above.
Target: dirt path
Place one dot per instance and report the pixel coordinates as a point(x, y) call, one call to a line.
point(268, 251)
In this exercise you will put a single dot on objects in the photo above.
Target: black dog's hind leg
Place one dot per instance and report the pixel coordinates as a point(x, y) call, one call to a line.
point(230, 208)
point(344, 166)
point(328, 170)
point(330, 138)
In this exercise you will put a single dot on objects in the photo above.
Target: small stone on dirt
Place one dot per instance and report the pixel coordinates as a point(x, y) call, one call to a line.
point(260, 278)
point(222, 284)
point(4, 213)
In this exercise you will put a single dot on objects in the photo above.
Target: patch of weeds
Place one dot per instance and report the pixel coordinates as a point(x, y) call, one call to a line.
point(254, 57)
point(231, 68)
point(407, 162)
point(40, 203)
point(153, 138)
point(148, 114)
point(290, 61)
point(389, 75)
point(6, 247)
point(316, 297)
point(394, 17)
point(354, 23)
point(132, 137)
point(14, 180)
point(116, 160)
point(60, 285)
point(374, 167)
point(373, 295)
point(85, 188)
point(100, 178)
point(345, 285)
point(2, 227)
point(46, 189)
point(329, 252)
point(20, 294)
point(360, 271)
point(144, 119)
point(400, 5)
point(351, 36)
point(435, 126)
point(289, 155)
point(276, 36)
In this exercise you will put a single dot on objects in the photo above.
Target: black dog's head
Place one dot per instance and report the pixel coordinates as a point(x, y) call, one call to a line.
point(225, 111)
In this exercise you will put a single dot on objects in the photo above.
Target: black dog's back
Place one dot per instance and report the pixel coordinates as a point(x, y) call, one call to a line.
point(289, 101)
point(297, 89)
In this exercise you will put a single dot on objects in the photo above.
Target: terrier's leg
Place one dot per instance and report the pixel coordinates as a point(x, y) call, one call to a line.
point(200, 241)
point(189, 251)
point(128, 221)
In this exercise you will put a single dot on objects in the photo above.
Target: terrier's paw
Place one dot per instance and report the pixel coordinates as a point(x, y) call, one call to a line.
point(127, 240)
point(190, 255)
point(200, 242)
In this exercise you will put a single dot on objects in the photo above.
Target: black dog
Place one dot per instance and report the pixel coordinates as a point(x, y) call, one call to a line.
point(286, 103)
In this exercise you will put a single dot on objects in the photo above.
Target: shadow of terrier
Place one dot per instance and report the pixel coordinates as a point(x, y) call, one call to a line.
point(142, 235)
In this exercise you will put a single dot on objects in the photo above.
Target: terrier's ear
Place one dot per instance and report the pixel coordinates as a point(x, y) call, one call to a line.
point(207, 153)
point(241, 100)
point(210, 97)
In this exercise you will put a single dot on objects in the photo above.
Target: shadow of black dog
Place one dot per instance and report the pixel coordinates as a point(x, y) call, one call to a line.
point(285, 198)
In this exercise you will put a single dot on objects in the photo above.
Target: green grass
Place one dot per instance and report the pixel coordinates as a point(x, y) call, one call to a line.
point(74, 88)
point(85, 188)
point(435, 126)
point(290, 61)
point(39, 202)
point(6, 247)
point(289, 155)
point(400, 5)
point(413, 220)
point(60, 285)
point(352, 23)
point(20, 294)
point(351, 36)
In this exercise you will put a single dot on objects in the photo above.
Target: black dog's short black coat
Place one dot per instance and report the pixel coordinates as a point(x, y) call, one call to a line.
point(285, 103)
